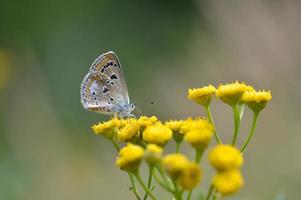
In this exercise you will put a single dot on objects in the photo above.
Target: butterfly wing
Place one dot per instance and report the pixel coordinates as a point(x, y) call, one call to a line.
point(109, 67)
point(92, 98)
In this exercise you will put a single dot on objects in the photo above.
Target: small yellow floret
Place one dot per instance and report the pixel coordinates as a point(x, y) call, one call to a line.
point(190, 177)
point(191, 124)
point(106, 128)
point(147, 121)
point(256, 100)
point(225, 157)
point(232, 93)
point(157, 134)
point(153, 154)
point(199, 138)
point(228, 182)
point(202, 95)
point(130, 157)
point(129, 132)
point(175, 164)
point(175, 126)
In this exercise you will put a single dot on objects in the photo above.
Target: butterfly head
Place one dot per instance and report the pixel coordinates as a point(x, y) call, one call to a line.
point(125, 110)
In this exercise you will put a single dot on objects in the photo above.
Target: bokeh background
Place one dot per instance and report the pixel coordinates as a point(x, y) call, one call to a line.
point(47, 149)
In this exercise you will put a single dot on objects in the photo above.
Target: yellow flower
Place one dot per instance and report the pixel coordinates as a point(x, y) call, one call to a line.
point(174, 164)
point(153, 154)
point(147, 121)
point(130, 157)
point(157, 134)
point(199, 138)
point(191, 124)
point(256, 100)
point(175, 126)
point(225, 157)
point(130, 132)
point(107, 129)
point(202, 95)
point(228, 182)
point(190, 177)
point(232, 93)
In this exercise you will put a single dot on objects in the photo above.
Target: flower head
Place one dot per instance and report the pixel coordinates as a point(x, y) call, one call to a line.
point(175, 164)
point(232, 93)
point(130, 157)
point(191, 124)
point(107, 129)
point(157, 134)
point(175, 126)
point(153, 154)
point(190, 176)
point(228, 182)
point(147, 121)
point(225, 157)
point(199, 138)
point(130, 131)
point(202, 95)
point(256, 100)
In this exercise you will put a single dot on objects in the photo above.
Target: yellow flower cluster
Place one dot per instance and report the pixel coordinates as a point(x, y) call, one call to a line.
point(232, 94)
point(107, 129)
point(183, 171)
point(202, 95)
point(227, 160)
point(130, 157)
point(146, 138)
point(256, 100)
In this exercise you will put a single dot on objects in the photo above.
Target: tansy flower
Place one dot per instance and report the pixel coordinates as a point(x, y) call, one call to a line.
point(157, 134)
point(232, 93)
point(174, 164)
point(191, 124)
point(199, 138)
point(130, 157)
point(225, 157)
point(256, 100)
point(130, 132)
point(153, 154)
point(107, 129)
point(190, 176)
point(146, 121)
point(228, 182)
point(175, 126)
point(202, 95)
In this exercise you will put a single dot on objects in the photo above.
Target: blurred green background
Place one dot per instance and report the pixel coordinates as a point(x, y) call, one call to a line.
point(47, 149)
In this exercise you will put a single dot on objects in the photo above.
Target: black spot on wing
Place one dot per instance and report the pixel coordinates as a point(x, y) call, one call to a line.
point(114, 76)
point(105, 90)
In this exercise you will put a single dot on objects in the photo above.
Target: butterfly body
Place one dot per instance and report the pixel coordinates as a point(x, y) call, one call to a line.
point(104, 88)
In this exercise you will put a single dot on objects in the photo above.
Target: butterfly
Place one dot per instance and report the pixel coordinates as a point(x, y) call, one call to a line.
point(104, 88)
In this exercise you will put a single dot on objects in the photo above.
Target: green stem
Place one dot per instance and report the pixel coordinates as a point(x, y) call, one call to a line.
point(166, 180)
point(209, 115)
point(133, 185)
point(177, 193)
point(115, 144)
point(214, 196)
point(178, 146)
point(149, 182)
point(210, 191)
point(166, 187)
point(133, 188)
point(198, 155)
point(236, 123)
point(140, 181)
point(189, 195)
point(255, 117)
